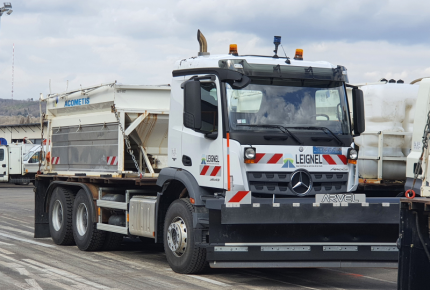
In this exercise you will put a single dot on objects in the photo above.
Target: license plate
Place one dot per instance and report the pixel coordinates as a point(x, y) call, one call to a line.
point(343, 197)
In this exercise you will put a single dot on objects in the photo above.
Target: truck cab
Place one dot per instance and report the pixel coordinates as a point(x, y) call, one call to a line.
point(282, 121)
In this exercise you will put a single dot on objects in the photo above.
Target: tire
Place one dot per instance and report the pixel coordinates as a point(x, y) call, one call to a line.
point(181, 253)
point(85, 232)
point(60, 216)
point(112, 241)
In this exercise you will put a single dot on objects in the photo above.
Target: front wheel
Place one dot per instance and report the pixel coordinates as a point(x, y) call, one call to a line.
point(181, 253)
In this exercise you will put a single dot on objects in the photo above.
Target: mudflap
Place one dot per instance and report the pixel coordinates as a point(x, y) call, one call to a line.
point(414, 265)
point(41, 217)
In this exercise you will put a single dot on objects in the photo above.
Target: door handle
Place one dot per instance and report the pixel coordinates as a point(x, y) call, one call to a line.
point(3, 165)
point(186, 160)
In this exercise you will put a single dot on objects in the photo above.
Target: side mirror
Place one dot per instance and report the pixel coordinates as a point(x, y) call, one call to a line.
point(192, 105)
point(358, 111)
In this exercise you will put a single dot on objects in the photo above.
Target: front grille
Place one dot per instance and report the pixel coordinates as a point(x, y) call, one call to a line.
point(266, 184)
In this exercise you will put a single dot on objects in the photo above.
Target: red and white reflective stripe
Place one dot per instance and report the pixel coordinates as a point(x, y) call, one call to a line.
point(55, 160)
point(112, 160)
point(238, 197)
point(334, 159)
point(268, 158)
point(208, 170)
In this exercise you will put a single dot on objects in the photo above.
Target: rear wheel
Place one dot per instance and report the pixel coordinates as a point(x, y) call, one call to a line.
point(85, 232)
point(60, 216)
point(181, 253)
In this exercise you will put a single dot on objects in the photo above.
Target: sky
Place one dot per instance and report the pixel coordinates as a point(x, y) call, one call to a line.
point(73, 43)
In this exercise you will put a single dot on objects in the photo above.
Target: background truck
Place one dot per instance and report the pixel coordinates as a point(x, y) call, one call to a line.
point(19, 162)
point(242, 161)
point(386, 143)
point(414, 237)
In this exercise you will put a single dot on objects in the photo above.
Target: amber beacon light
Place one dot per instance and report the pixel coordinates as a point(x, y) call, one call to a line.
point(299, 54)
point(233, 49)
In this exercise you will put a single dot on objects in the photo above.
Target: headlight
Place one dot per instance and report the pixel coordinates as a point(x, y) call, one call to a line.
point(353, 154)
point(249, 155)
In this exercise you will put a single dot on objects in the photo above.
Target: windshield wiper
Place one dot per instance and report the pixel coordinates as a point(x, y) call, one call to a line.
point(282, 128)
point(324, 129)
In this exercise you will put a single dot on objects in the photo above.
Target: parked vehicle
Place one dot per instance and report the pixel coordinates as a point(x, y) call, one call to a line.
point(242, 161)
point(18, 163)
point(414, 238)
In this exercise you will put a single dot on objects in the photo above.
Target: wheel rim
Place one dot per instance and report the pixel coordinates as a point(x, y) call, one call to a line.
point(57, 215)
point(82, 219)
point(177, 236)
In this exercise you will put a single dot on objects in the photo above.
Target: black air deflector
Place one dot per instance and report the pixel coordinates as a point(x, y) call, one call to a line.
point(284, 71)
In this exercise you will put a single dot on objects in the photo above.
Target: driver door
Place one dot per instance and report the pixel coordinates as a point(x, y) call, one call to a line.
point(202, 156)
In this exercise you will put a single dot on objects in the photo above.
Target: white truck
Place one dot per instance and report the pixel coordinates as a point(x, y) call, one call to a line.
point(19, 162)
point(242, 161)
point(391, 144)
point(414, 234)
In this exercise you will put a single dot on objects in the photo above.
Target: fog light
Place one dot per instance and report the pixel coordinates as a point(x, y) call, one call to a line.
point(249, 155)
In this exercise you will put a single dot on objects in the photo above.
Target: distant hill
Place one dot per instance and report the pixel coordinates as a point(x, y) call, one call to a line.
point(19, 111)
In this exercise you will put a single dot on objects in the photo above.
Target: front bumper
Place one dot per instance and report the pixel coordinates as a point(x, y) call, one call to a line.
point(301, 233)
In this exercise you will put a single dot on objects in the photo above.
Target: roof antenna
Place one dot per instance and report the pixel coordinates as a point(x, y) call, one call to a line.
point(288, 59)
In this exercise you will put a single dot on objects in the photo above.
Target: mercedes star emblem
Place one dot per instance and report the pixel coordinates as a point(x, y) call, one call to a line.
point(301, 149)
point(301, 182)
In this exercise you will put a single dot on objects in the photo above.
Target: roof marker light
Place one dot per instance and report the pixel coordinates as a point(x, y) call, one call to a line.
point(299, 54)
point(233, 50)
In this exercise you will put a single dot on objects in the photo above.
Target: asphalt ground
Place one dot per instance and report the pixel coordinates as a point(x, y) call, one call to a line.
point(28, 263)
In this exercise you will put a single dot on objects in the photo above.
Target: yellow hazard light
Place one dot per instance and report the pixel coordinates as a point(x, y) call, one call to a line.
point(299, 54)
point(233, 49)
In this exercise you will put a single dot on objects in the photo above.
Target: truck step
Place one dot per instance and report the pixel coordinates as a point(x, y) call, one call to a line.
point(112, 204)
point(112, 228)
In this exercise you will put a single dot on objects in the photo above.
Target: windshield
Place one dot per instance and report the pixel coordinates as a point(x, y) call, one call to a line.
point(289, 102)
point(27, 156)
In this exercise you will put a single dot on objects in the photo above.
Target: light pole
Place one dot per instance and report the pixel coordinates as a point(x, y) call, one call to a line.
point(7, 7)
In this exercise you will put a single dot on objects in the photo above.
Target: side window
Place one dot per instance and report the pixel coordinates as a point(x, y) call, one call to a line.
point(34, 158)
point(1, 154)
point(209, 103)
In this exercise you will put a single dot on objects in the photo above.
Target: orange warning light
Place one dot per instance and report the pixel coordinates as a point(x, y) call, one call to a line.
point(233, 49)
point(299, 54)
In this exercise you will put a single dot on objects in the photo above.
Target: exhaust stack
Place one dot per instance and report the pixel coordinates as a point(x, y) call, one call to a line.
point(203, 44)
